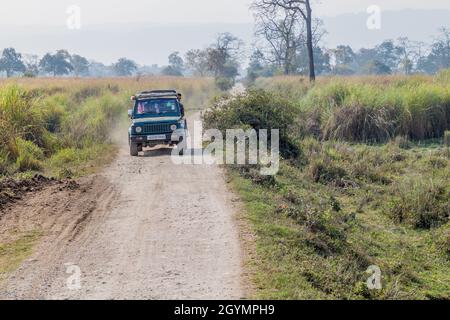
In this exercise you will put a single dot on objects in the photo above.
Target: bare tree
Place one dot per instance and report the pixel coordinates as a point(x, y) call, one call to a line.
point(279, 29)
point(407, 54)
point(298, 9)
point(196, 60)
point(223, 55)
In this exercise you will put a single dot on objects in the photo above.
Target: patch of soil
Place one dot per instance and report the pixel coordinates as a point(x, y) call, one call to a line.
point(47, 205)
point(12, 190)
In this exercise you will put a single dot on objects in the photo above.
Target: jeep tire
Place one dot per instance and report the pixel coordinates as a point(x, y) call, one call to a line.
point(134, 150)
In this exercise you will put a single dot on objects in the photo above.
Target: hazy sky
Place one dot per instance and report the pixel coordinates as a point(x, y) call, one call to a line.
point(53, 12)
point(108, 27)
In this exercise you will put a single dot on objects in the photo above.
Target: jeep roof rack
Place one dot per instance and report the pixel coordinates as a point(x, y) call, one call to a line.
point(159, 91)
point(156, 94)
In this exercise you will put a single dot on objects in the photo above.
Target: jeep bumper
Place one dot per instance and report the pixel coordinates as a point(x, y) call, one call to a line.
point(154, 139)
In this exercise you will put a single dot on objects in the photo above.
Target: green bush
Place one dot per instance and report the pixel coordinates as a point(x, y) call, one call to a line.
point(258, 109)
point(329, 96)
point(93, 122)
point(402, 143)
point(445, 242)
point(224, 84)
point(20, 114)
point(325, 171)
point(428, 109)
point(7, 142)
point(421, 204)
point(64, 157)
point(30, 155)
point(34, 126)
point(4, 162)
point(54, 112)
point(362, 123)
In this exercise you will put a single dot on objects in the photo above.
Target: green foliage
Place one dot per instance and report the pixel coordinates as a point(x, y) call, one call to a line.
point(4, 162)
point(325, 172)
point(125, 67)
point(93, 121)
point(175, 67)
point(20, 114)
point(84, 93)
point(57, 64)
point(370, 109)
point(30, 155)
point(66, 160)
point(258, 110)
point(402, 142)
point(12, 254)
point(224, 84)
point(80, 65)
point(11, 62)
point(421, 204)
point(34, 128)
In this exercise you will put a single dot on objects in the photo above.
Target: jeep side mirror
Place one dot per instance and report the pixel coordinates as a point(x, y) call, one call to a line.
point(130, 114)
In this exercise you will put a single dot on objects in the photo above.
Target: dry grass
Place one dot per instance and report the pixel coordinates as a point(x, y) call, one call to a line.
point(370, 109)
point(197, 91)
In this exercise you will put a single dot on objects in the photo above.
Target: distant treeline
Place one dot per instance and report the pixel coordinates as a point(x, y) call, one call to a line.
point(62, 63)
point(401, 56)
point(220, 60)
point(223, 60)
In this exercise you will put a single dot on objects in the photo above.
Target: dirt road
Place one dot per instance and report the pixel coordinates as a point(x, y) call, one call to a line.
point(143, 228)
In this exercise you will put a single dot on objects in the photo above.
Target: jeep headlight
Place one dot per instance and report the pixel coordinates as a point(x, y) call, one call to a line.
point(181, 124)
point(173, 127)
point(138, 129)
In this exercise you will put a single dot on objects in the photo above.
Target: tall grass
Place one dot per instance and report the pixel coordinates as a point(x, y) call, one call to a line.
point(197, 92)
point(369, 109)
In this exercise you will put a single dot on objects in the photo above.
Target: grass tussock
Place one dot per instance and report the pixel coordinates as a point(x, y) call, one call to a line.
point(421, 204)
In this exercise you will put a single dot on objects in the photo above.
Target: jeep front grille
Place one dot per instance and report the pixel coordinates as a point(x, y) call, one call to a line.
point(157, 128)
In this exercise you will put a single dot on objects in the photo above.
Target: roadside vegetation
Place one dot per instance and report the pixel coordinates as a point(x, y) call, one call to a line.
point(67, 127)
point(364, 180)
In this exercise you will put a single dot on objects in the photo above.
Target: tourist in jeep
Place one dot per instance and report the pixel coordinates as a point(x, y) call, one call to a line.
point(157, 119)
point(179, 97)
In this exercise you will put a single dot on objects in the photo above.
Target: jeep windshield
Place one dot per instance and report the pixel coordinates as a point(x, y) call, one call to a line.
point(157, 108)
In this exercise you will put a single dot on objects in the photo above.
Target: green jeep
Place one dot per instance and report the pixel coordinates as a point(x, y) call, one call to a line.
point(157, 119)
